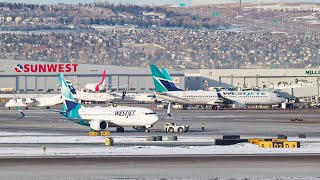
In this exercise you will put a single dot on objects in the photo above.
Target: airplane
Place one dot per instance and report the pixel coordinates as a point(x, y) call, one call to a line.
point(84, 96)
point(102, 118)
point(167, 90)
point(93, 97)
point(44, 101)
point(139, 98)
point(34, 102)
point(97, 87)
point(12, 103)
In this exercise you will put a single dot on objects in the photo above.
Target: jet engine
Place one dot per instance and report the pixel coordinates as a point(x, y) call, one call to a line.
point(98, 125)
point(238, 105)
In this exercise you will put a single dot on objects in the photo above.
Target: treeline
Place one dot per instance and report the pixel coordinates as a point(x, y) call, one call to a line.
point(121, 15)
point(138, 10)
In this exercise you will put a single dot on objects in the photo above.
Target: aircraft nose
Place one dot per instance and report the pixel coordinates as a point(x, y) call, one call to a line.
point(282, 100)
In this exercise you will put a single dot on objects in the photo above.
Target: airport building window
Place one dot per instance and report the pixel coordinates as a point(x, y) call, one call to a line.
point(142, 89)
point(30, 89)
point(40, 89)
point(132, 89)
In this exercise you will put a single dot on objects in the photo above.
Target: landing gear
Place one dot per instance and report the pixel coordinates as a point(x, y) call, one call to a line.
point(185, 107)
point(120, 129)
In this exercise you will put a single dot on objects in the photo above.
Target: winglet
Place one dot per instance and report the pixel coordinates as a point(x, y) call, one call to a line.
point(22, 114)
point(169, 109)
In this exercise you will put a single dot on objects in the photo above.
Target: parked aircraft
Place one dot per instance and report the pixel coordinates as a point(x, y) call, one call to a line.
point(16, 102)
point(166, 89)
point(134, 97)
point(97, 87)
point(44, 101)
point(34, 102)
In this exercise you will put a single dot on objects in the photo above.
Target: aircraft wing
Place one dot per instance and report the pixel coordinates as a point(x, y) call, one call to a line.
point(222, 100)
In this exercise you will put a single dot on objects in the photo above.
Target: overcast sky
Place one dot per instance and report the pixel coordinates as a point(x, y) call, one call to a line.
point(152, 2)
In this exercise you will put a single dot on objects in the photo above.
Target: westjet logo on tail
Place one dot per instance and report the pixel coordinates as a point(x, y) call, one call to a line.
point(46, 68)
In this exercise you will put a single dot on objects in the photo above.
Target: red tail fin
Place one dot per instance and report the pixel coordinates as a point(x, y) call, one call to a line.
point(103, 77)
point(102, 80)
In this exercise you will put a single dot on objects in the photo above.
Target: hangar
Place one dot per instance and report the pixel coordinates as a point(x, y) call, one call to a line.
point(34, 76)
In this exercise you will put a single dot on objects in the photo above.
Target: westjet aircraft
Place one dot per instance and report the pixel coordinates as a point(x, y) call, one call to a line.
point(167, 90)
point(101, 118)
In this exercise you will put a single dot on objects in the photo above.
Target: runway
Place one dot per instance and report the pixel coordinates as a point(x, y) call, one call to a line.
point(219, 167)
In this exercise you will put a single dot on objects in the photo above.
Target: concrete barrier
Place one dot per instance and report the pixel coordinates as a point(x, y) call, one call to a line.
point(151, 138)
point(229, 141)
point(172, 138)
point(231, 137)
point(158, 138)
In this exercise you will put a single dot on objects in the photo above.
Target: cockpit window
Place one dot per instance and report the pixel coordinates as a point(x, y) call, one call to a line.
point(148, 113)
point(278, 96)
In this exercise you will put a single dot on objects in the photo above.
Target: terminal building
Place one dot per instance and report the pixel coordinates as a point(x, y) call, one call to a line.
point(246, 78)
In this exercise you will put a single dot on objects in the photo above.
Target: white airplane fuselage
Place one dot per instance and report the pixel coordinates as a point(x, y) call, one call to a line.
point(211, 97)
point(95, 87)
point(12, 103)
point(135, 97)
point(44, 102)
point(97, 97)
point(120, 116)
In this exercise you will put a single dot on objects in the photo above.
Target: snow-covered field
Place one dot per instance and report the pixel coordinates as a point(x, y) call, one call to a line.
point(239, 149)
point(310, 145)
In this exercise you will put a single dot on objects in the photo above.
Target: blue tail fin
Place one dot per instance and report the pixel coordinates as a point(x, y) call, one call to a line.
point(69, 103)
point(170, 80)
point(157, 76)
point(166, 74)
point(161, 83)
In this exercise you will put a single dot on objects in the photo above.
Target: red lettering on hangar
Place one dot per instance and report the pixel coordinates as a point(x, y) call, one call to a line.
point(46, 68)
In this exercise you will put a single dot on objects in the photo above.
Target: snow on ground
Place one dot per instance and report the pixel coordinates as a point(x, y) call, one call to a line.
point(90, 139)
point(26, 138)
point(22, 133)
point(310, 145)
point(243, 149)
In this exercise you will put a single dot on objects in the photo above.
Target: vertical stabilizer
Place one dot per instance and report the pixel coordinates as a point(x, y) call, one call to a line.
point(102, 84)
point(69, 104)
point(166, 74)
point(157, 76)
point(162, 82)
